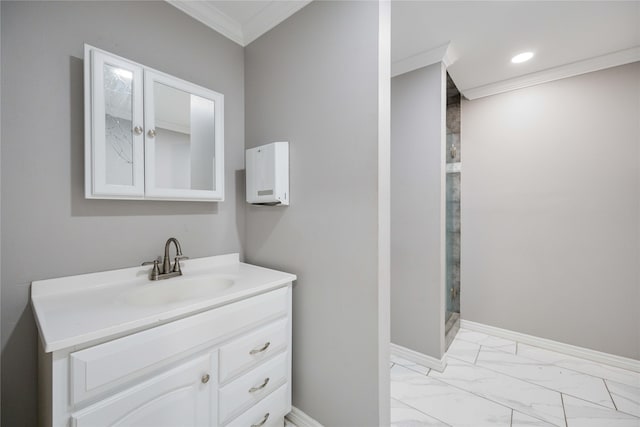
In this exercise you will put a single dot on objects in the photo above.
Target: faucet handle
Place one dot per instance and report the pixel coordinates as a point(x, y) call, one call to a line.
point(176, 263)
point(155, 271)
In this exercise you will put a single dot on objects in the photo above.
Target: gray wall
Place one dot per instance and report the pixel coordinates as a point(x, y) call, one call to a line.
point(0, 199)
point(550, 210)
point(417, 210)
point(312, 81)
point(48, 228)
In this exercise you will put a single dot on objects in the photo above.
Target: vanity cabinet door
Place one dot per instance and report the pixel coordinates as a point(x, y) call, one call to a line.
point(116, 129)
point(183, 396)
point(184, 140)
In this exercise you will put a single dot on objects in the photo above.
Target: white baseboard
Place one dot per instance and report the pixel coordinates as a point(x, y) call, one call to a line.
point(571, 350)
point(300, 419)
point(419, 358)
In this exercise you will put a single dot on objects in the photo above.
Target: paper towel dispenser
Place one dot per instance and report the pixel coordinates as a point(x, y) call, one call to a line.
point(267, 174)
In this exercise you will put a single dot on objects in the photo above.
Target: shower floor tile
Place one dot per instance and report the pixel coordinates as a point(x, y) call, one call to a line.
point(490, 381)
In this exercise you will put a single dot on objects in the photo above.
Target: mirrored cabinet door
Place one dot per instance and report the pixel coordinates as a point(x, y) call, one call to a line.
point(117, 128)
point(184, 139)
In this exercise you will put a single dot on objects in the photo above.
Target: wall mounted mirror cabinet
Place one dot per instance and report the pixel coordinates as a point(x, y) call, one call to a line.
point(149, 135)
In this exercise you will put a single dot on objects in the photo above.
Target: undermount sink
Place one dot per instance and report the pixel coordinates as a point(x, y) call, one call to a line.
point(175, 290)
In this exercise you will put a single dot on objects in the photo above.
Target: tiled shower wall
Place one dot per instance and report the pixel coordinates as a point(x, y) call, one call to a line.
point(453, 198)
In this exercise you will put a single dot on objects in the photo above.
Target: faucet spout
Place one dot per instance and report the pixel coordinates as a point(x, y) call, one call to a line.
point(166, 271)
point(166, 263)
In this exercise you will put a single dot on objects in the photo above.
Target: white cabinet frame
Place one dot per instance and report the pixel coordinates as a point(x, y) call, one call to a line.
point(151, 190)
point(95, 140)
point(144, 170)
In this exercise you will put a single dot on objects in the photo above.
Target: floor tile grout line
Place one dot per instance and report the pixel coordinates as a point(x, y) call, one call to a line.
point(610, 395)
point(605, 365)
point(546, 363)
point(528, 382)
point(489, 399)
point(570, 369)
point(539, 385)
point(409, 368)
point(511, 422)
point(477, 354)
point(543, 363)
point(619, 411)
point(564, 411)
point(552, 351)
point(452, 356)
point(422, 412)
point(486, 345)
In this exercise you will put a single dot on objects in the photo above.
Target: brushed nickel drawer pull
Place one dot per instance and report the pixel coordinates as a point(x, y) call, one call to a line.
point(260, 350)
point(260, 387)
point(205, 378)
point(264, 420)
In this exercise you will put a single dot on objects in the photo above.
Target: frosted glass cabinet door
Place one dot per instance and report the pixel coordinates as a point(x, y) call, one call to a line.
point(117, 128)
point(184, 140)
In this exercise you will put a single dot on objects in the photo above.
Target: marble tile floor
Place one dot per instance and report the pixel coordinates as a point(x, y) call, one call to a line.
point(490, 381)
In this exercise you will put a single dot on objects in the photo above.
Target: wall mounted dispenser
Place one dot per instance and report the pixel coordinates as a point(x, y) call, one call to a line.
point(267, 169)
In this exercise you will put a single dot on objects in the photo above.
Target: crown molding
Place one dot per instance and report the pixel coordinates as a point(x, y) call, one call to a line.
point(212, 17)
point(438, 54)
point(273, 13)
point(614, 59)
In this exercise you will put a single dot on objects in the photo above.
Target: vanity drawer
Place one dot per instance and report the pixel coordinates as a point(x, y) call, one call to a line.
point(249, 350)
point(271, 410)
point(253, 386)
point(101, 368)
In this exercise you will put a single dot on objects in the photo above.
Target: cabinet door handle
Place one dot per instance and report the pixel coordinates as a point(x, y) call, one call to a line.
point(205, 378)
point(151, 133)
point(261, 349)
point(137, 130)
point(264, 420)
point(260, 387)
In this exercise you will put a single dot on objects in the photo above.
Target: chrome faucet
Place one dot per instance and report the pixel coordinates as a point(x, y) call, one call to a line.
point(166, 270)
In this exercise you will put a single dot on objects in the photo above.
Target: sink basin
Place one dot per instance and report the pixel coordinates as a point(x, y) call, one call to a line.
point(174, 290)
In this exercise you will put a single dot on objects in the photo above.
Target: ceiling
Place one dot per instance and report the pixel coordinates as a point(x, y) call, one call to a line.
point(567, 38)
point(476, 39)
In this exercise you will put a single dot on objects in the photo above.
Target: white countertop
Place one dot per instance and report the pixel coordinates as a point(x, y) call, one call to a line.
point(76, 310)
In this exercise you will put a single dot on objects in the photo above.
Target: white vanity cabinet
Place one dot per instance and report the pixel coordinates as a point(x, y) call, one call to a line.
point(225, 366)
point(149, 135)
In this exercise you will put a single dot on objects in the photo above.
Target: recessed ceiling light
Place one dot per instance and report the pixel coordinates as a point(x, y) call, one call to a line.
point(522, 57)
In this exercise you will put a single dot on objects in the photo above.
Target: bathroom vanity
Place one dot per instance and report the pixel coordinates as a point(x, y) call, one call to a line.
point(209, 348)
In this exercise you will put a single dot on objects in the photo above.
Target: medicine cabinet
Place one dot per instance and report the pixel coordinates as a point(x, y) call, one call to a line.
point(149, 135)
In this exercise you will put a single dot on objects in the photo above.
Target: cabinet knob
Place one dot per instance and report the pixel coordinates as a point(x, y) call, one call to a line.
point(261, 349)
point(151, 133)
point(137, 130)
point(205, 378)
point(264, 420)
